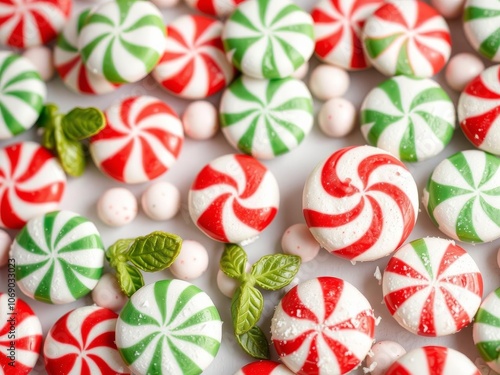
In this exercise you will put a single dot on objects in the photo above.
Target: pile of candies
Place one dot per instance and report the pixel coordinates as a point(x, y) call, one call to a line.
point(240, 66)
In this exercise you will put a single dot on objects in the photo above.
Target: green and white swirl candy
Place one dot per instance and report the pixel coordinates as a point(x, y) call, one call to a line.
point(170, 327)
point(268, 39)
point(462, 196)
point(59, 257)
point(412, 118)
point(22, 94)
point(266, 118)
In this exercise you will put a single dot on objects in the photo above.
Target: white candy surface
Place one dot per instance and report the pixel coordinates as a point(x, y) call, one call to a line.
point(165, 3)
point(117, 207)
point(449, 8)
point(337, 117)
point(5, 242)
point(161, 201)
point(41, 58)
point(328, 82)
point(200, 120)
point(462, 69)
point(385, 353)
point(302, 71)
point(107, 293)
point(298, 240)
point(191, 262)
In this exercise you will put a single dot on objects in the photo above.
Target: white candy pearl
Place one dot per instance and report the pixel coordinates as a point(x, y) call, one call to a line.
point(462, 69)
point(165, 3)
point(107, 293)
point(200, 120)
point(328, 82)
point(117, 207)
point(41, 58)
point(5, 242)
point(302, 71)
point(385, 353)
point(298, 240)
point(337, 117)
point(227, 285)
point(161, 201)
point(191, 262)
point(449, 8)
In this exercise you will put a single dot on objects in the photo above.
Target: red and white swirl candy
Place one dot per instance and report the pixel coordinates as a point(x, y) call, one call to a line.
point(233, 198)
point(141, 141)
point(219, 8)
point(264, 368)
point(361, 203)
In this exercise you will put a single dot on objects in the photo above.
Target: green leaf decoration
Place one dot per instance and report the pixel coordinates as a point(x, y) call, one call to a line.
point(233, 261)
point(246, 308)
point(71, 154)
point(254, 343)
point(129, 278)
point(81, 123)
point(47, 116)
point(273, 272)
point(49, 138)
point(116, 253)
point(154, 252)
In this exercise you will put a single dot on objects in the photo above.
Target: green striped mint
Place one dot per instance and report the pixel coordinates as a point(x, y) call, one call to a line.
point(482, 27)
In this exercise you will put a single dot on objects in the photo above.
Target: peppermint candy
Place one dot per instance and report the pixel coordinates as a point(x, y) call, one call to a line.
point(22, 94)
point(194, 65)
point(219, 8)
point(68, 62)
point(323, 326)
point(264, 368)
point(266, 118)
point(18, 325)
point(29, 23)
point(361, 203)
point(170, 327)
point(478, 110)
point(32, 182)
point(233, 198)
point(122, 40)
point(407, 37)
point(142, 140)
point(268, 39)
point(412, 118)
point(482, 27)
point(486, 330)
point(83, 342)
point(432, 287)
point(338, 25)
point(59, 257)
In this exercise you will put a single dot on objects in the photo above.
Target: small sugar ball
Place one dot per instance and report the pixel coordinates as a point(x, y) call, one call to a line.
point(41, 58)
point(165, 3)
point(161, 201)
point(302, 71)
point(107, 293)
point(337, 117)
point(449, 8)
point(200, 120)
point(328, 82)
point(298, 240)
point(191, 262)
point(117, 207)
point(5, 242)
point(385, 353)
point(227, 285)
point(462, 69)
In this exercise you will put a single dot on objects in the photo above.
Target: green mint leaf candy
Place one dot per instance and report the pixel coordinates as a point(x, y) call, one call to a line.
point(246, 308)
point(233, 261)
point(254, 343)
point(154, 252)
point(49, 137)
point(273, 272)
point(47, 115)
point(81, 123)
point(116, 253)
point(129, 278)
point(71, 154)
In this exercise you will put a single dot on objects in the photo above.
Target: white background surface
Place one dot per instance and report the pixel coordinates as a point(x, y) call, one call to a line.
point(291, 171)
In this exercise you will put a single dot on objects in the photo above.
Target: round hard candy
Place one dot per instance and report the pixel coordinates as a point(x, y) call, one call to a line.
point(407, 37)
point(107, 293)
point(200, 120)
point(59, 257)
point(461, 196)
point(219, 8)
point(324, 325)
point(384, 354)
point(486, 330)
point(432, 287)
point(361, 203)
point(20, 325)
point(32, 182)
point(142, 140)
point(69, 64)
point(433, 360)
point(449, 8)
point(5, 242)
point(301, 72)
point(83, 342)
point(161, 201)
point(122, 40)
point(264, 368)
point(194, 65)
point(412, 118)
point(462, 69)
point(338, 26)
point(337, 117)
point(28, 23)
point(42, 60)
point(328, 82)
point(266, 118)
point(192, 262)
point(478, 107)
point(482, 27)
point(233, 198)
point(268, 39)
point(117, 207)
point(298, 240)
point(22, 94)
point(169, 327)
